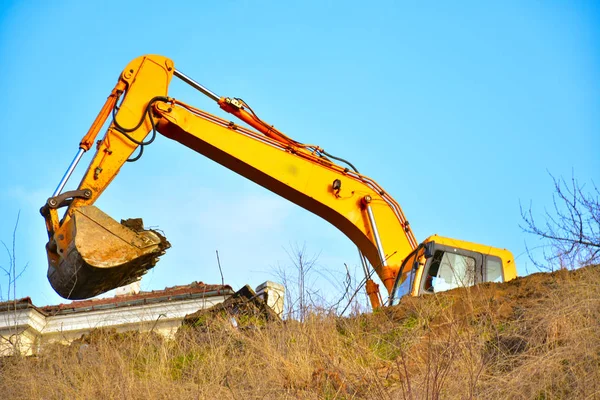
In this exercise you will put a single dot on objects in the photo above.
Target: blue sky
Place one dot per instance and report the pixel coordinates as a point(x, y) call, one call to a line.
point(458, 109)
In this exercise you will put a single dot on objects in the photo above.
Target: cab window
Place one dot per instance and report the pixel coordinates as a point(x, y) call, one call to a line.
point(493, 269)
point(403, 288)
point(447, 271)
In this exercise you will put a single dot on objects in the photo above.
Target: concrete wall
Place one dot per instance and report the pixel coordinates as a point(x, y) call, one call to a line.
point(27, 329)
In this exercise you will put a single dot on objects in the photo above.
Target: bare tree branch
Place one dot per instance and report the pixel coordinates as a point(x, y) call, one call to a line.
point(13, 275)
point(571, 232)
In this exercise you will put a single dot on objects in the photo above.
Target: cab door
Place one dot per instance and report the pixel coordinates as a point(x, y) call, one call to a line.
point(449, 268)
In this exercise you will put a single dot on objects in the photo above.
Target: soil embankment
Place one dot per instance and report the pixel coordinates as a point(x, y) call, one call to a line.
point(536, 337)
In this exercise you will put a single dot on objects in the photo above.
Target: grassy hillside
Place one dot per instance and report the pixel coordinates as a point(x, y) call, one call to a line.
point(537, 337)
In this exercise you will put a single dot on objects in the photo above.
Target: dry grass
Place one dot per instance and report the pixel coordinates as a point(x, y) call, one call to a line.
point(533, 338)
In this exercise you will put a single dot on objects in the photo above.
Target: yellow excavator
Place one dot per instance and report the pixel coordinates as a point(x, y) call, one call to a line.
point(89, 253)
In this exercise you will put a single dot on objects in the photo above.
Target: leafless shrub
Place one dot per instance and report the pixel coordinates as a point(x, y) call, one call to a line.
point(12, 273)
point(311, 287)
point(299, 281)
point(570, 234)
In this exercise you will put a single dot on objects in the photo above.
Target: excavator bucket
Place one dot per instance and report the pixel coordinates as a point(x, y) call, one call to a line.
point(97, 254)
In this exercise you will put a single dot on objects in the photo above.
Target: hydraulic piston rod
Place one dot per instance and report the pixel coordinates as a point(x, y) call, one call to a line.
point(367, 203)
point(69, 172)
point(364, 264)
point(371, 287)
point(236, 107)
point(195, 85)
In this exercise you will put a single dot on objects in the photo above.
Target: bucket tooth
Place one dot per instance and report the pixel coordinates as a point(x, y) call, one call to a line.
point(101, 254)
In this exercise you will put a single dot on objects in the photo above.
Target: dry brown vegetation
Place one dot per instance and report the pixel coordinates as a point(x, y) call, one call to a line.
point(532, 338)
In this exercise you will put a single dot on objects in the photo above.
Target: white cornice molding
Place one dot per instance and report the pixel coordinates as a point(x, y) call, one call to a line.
point(171, 310)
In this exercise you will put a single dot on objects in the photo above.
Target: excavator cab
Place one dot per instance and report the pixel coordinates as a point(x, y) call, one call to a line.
point(440, 264)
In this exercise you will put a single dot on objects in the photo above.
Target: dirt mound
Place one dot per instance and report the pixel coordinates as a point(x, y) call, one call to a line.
point(536, 337)
point(505, 301)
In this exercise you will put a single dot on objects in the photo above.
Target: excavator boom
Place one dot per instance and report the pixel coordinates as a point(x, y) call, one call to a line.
point(90, 253)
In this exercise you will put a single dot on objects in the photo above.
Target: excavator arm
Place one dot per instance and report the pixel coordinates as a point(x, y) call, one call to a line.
point(90, 253)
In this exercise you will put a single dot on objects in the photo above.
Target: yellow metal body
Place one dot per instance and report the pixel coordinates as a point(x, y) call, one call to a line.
point(509, 268)
point(297, 176)
point(76, 269)
point(297, 172)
